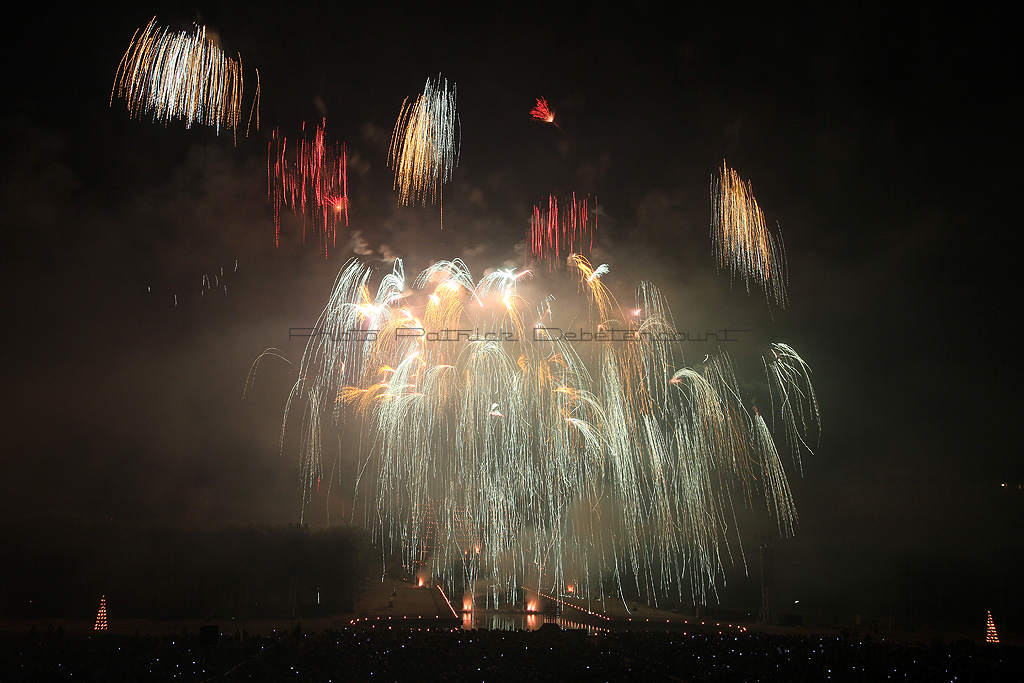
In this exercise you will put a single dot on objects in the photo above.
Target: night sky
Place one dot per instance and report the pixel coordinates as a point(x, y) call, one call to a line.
point(881, 142)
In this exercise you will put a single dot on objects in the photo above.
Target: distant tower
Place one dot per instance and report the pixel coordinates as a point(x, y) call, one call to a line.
point(101, 617)
point(767, 580)
point(990, 631)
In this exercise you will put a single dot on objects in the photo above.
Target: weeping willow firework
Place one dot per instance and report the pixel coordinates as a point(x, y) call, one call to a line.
point(502, 452)
point(317, 178)
point(559, 230)
point(743, 243)
point(181, 76)
point(424, 145)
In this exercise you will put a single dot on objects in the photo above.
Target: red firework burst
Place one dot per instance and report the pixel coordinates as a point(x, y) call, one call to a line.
point(542, 112)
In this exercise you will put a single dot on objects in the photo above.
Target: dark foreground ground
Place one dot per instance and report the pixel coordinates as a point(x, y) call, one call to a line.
point(446, 655)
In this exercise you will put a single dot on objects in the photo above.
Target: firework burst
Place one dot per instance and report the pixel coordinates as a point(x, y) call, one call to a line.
point(184, 76)
point(560, 229)
point(425, 144)
point(316, 178)
point(542, 112)
point(743, 243)
point(497, 450)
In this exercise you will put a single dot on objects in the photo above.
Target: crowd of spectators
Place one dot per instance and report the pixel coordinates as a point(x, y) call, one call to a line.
point(447, 655)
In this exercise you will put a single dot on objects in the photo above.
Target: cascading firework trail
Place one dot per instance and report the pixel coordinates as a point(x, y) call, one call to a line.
point(317, 178)
point(776, 487)
point(425, 144)
point(558, 230)
point(742, 241)
point(181, 76)
point(499, 452)
point(795, 403)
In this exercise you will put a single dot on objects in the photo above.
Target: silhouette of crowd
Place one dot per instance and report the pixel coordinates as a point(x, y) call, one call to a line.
point(444, 655)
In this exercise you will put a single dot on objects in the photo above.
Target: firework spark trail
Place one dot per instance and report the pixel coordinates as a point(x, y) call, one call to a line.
point(425, 144)
point(742, 241)
point(255, 109)
point(499, 457)
point(181, 76)
point(793, 398)
point(559, 230)
point(317, 178)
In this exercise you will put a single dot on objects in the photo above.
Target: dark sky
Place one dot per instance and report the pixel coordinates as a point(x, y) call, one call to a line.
point(882, 142)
